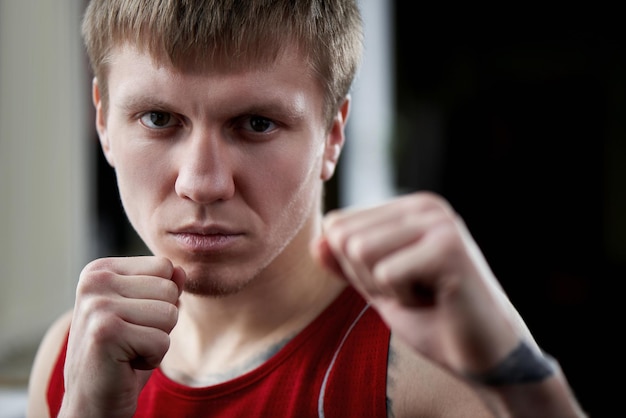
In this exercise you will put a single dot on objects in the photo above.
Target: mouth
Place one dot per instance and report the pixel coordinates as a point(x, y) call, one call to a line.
point(200, 239)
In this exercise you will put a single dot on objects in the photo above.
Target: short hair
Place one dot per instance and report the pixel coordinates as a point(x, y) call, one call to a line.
point(231, 34)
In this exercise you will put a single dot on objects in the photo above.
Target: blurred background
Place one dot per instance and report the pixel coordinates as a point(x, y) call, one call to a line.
point(517, 116)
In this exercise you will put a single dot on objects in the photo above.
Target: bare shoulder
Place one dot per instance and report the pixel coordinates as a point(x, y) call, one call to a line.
point(418, 387)
point(43, 364)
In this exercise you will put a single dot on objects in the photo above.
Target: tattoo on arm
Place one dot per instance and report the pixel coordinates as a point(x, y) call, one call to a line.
point(522, 365)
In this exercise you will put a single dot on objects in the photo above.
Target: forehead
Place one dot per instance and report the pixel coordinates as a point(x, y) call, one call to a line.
point(134, 76)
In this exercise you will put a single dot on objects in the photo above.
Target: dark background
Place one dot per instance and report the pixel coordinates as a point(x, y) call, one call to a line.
point(519, 120)
point(530, 124)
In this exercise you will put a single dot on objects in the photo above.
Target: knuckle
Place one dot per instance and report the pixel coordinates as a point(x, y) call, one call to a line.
point(332, 217)
point(355, 248)
point(384, 276)
point(96, 306)
point(426, 201)
point(449, 241)
point(98, 264)
point(93, 280)
point(103, 327)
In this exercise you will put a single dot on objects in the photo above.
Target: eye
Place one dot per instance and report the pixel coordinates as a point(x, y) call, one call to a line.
point(259, 124)
point(158, 120)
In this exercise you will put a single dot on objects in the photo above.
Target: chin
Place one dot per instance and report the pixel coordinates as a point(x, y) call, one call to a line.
point(214, 288)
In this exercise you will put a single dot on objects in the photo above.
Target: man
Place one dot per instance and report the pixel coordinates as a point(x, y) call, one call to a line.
point(223, 120)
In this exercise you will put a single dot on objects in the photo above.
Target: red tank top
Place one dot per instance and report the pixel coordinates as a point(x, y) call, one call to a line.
point(336, 367)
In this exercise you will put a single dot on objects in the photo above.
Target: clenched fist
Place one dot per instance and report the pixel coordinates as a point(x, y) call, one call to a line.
point(125, 309)
point(415, 261)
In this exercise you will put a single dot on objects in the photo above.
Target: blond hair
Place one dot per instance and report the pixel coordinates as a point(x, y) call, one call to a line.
point(231, 34)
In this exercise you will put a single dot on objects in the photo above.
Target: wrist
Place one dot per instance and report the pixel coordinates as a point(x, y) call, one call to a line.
point(77, 409)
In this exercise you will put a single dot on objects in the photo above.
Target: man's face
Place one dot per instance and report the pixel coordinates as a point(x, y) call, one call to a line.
point(219, 172)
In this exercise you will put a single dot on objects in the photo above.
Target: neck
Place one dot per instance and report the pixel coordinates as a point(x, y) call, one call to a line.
point(237, 336)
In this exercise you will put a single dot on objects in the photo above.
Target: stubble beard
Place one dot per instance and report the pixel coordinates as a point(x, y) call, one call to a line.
point(208, 284)
point(219, 287)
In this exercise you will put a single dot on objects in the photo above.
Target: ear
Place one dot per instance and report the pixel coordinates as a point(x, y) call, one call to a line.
point(101, 126)
point(335, 140)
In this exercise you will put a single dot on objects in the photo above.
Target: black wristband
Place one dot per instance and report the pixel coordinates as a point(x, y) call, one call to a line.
point(522, 365)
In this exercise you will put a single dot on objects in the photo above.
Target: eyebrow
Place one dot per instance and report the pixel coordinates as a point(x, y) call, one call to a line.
point(292, 111)
point(132, 103)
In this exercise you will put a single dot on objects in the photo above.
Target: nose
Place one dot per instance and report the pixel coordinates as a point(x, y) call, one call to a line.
point(205, 172)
